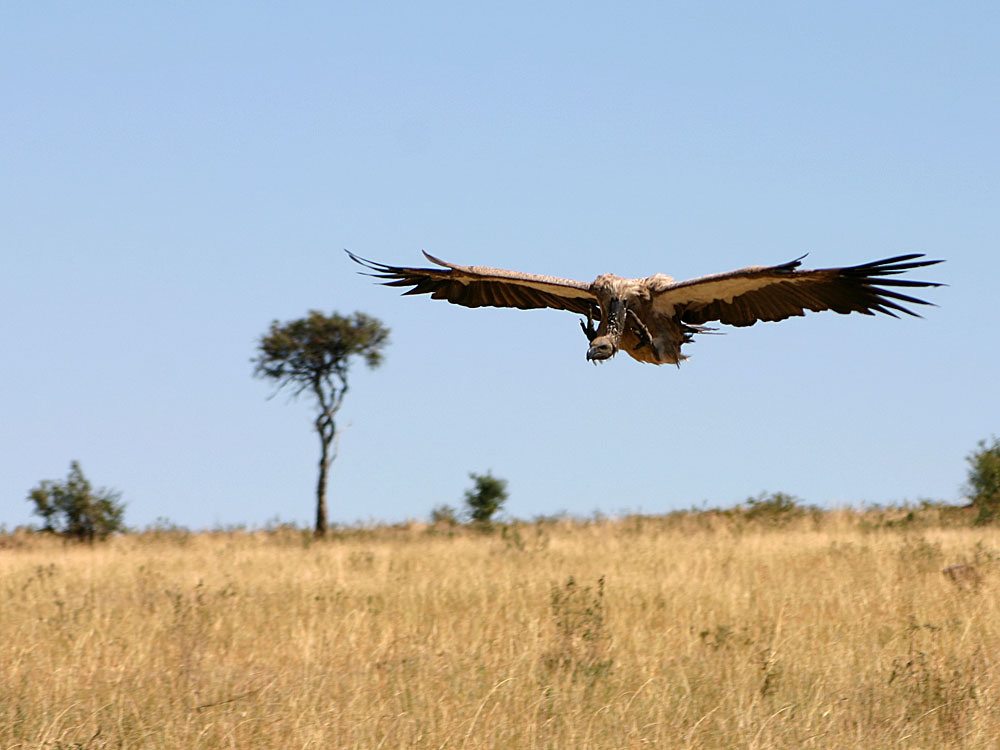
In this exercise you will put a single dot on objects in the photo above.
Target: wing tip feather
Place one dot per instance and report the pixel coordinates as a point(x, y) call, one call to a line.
point(438, 261)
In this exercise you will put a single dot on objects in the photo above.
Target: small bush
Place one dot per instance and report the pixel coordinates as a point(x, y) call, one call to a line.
point(777, 508)
point(73, 509)
point(581, 644)
point(983, 486)
point(486, 498)
point(444, 515)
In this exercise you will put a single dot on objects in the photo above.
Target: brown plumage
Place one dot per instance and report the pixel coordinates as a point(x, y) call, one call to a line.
point(651, 318)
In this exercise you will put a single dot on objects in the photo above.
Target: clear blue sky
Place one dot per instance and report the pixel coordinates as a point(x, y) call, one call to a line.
point(176, 176)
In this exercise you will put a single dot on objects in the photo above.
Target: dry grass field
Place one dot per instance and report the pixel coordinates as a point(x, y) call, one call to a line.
point(694, 631)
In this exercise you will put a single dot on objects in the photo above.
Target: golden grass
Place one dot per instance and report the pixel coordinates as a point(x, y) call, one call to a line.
point(614, 634)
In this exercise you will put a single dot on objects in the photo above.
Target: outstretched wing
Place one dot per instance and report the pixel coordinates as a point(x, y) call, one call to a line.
point(770, 293)
point(476, 286)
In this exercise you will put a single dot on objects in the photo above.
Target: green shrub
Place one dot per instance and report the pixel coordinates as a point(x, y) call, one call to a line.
point(983, 486)
point(73, 509)
point(486, 498)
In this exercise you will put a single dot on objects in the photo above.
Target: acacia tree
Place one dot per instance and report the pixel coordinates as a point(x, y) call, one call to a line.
point(313, 354)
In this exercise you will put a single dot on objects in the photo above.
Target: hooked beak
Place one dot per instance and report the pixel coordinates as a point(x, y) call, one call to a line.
point(601, 348)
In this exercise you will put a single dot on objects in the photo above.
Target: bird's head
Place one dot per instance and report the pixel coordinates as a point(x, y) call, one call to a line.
point(602, 348)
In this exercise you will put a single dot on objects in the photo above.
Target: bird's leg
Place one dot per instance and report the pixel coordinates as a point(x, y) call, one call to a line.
point(644, 337)
point(588, 330)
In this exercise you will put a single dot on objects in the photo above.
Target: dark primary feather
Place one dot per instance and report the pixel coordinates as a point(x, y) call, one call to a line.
point(743, 297)
point(477, 286)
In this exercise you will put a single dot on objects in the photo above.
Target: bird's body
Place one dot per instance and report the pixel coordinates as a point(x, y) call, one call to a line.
point(651, 318)
point(647, 334)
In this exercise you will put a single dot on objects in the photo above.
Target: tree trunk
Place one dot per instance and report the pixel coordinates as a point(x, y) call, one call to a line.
point(325, 428)
point(324, 466)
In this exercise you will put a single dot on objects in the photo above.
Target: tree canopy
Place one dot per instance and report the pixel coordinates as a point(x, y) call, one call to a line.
point(313, 351)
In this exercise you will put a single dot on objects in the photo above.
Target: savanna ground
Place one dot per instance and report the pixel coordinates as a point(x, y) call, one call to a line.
point(695, 630)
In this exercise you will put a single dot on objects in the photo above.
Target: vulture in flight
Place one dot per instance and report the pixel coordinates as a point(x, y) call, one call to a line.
point(652, 318)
